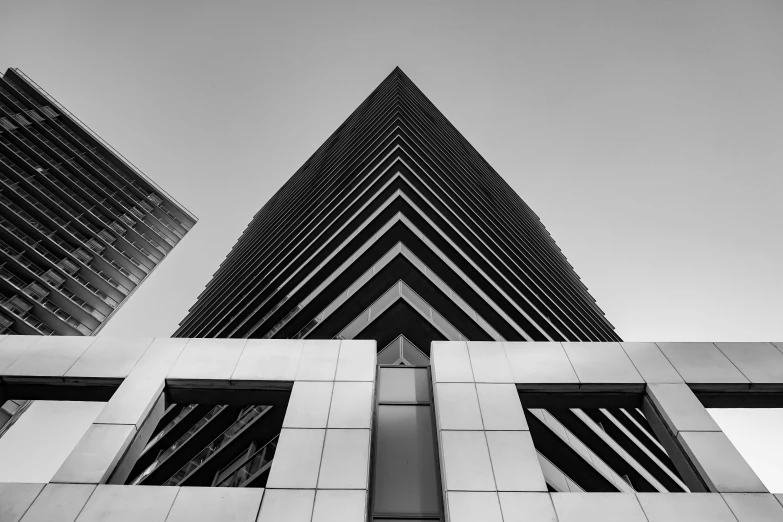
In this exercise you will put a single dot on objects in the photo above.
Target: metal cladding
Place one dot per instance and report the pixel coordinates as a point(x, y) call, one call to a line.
point(487, 468)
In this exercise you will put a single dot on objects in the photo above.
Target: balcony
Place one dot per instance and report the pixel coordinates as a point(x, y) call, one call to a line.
point(246, 417)
point(165, 454)
point(249, 470)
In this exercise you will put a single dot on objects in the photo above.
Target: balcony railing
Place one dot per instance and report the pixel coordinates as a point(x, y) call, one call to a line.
point(253, 466)
point(99, 140)
point(68, 248)
point(245, 418)
point(164, 454)
point(26, 317)
point(181, 415)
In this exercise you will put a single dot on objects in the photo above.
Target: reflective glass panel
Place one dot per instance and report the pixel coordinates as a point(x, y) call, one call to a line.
point(404, 385)
point(405, 474)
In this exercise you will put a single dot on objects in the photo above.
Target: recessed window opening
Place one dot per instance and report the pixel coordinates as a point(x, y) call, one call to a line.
point(405, 477)
point(601, 443)
point(207, 445)
point(601, 450)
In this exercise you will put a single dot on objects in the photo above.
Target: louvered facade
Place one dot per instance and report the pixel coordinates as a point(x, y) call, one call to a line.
point(397, 230)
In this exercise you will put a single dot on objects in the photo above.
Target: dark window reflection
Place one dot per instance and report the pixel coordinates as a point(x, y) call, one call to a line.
point(405, 474)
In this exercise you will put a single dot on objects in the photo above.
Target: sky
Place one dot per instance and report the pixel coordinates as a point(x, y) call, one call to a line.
point(647, 136)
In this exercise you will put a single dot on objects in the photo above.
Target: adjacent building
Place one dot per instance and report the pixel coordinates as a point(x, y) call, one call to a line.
point(80, 226)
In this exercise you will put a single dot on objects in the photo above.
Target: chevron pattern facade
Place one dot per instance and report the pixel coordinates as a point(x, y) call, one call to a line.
point(397, 230)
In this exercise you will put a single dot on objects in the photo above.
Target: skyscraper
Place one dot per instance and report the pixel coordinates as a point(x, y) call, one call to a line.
point(397, 230)
point(80, 226)
point(396, 173)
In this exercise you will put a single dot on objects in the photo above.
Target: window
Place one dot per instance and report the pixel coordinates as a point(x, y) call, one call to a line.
point(197, 442)
point(405, 472)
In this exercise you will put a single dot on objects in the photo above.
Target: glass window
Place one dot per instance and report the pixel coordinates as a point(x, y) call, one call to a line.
point(405, 473)
point(404, 385)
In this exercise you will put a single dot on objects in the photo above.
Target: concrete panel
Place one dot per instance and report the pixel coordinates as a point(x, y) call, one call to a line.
point(213, 359)
point(601, 363)
point(679, 507)
point(110, 503)
point(13, 346)
point(308, 406)
point(500, 407)
point(59, 503)
point(213, 504)
point(94, 457)
point(334, 505)
point(457, 407)
point(132, 401)
point(450, 362)
point(352, 404)
point(650, 362)
point(269, 360)
point(289, 505)
point(719, 463)
point(29, 452)
point(597, 507)
point(539, 363)
point(356, 361)
point(50, 356)
point(346, 459)
point(680, 408)
point(759, 362)
point(160, 357)
point(318, 361)
point(754, 507)
point(527, 507)
point(466, 461)
point(469, 506)
point(489, 362)
point(297, 459)
point(110, 357)
point(701, 363)
point(515, 461)
point(16, 498)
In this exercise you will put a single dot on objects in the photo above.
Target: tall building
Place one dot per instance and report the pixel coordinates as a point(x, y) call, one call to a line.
point(80, 226)
point(397, 230)
point(394, 337)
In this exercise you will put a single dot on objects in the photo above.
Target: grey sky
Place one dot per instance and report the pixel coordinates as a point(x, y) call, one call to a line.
point(648, 136)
